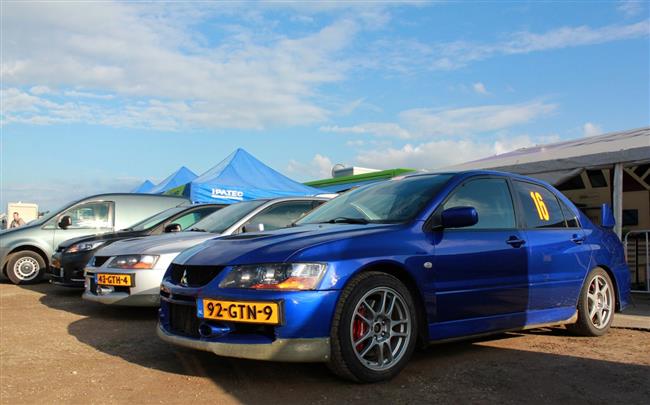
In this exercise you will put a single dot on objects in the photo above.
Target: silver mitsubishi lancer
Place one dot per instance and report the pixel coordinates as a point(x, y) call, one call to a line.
point(129, 272)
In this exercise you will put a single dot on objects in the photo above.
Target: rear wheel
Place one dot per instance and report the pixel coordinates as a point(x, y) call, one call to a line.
point(25, 267)
point(374, 328)
point(596, 305)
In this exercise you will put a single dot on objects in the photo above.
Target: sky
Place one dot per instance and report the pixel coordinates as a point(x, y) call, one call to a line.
point(99, 96)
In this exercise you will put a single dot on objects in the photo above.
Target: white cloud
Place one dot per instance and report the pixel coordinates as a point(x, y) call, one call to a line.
point(437, 154)
point(405, 55)
point(320, 167)
point(250, 79)
point(374, 128)
point(39, 90)
point(441, 153)
point(591, 129)
point(428, 122)
point(471, 120)
point(480, 88)
point(630, 8)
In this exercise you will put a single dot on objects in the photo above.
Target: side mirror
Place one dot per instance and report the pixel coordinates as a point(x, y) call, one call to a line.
point(65, 221)
point(459, 217)
point(253, 228)
point(169, 228)
point(607, 217)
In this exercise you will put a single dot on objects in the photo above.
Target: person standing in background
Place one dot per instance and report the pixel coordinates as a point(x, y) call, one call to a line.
point(18, 221)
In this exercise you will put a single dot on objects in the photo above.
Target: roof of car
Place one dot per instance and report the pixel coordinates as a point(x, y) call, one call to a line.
point(467, 173)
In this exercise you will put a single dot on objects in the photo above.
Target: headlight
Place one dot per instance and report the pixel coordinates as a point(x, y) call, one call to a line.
point(84, 246)
point(133, 262)
point(281, 276)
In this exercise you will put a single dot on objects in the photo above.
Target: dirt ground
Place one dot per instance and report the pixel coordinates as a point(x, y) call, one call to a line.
point(56, 348)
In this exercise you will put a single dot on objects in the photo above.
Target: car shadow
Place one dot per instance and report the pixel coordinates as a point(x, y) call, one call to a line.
point(467, 371)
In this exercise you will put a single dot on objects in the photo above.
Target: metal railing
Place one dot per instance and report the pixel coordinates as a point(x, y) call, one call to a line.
point(637, 252)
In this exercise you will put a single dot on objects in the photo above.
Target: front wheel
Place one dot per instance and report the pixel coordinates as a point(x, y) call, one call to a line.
point(374, 328)
point(596, 305)
point(25, 267)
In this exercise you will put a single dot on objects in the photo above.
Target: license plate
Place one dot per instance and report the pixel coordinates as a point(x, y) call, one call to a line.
point(118, 280)
point(239, 311)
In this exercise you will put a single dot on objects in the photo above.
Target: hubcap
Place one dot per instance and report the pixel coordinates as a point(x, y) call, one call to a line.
point(380, 328)
point(26, 268)
point(600, 301)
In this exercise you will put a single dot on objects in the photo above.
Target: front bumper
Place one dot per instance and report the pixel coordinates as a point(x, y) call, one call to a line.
point(145, 292)
point(286, 350)
point(67, 270)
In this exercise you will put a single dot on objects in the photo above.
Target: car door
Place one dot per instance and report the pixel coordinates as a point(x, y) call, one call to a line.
point(480, 271)
point(87, 218)
point(557, 258)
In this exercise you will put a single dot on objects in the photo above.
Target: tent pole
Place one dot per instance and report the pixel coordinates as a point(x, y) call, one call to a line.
point(617, 199)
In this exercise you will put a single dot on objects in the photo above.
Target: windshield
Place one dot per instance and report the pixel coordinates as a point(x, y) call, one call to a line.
point(390, 201)
point(226, 217)
point(155, 219)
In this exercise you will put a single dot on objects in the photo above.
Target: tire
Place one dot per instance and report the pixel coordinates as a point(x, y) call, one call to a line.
point(25, 267)
point(391, 323)
point(596, 305)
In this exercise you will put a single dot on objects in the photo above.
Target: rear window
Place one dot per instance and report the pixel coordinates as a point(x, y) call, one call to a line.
point(541, 208)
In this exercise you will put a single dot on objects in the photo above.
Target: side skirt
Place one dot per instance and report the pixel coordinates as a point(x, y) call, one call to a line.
point(478, 327)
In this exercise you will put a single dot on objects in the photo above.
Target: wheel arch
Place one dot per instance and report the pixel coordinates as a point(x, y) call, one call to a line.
point(398, 271)
point(612, 277)
point(22, 248)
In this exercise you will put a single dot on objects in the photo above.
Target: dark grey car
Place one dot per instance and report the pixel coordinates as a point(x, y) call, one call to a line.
point(25, 252)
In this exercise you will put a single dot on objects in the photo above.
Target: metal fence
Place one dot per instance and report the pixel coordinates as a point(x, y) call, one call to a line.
point(637, 252)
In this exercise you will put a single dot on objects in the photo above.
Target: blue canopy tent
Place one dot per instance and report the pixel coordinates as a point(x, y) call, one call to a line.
point(178, 178)
point(241, 177)
point(144, 187)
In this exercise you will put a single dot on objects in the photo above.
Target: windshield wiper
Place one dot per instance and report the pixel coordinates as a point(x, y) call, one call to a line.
point(347, 220)
point(197, 230)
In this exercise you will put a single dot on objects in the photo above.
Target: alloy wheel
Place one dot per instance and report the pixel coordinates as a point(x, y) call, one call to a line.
point(380, 328)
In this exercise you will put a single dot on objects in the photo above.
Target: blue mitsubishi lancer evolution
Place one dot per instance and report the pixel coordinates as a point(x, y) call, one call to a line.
point(362, 280)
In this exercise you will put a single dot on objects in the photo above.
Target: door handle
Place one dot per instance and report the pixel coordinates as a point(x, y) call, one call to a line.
point(577, 239)
point(515, 241)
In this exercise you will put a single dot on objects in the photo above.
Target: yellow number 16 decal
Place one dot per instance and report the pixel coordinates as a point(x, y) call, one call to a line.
point(542, 211)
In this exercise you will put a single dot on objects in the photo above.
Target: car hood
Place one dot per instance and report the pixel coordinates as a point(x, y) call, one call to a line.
point(19, 230)
point(156, 244)
point(108, 236)
point(299, 243)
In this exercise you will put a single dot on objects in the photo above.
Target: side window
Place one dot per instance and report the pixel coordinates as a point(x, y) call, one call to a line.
point(492, 200)
point(191, 218)
point(541, 208)
point(569, 216)
point(281, 215)
point(91, 215)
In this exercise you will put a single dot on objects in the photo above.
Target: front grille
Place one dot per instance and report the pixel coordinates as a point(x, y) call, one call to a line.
point(193, 276)
point(183, 320)
point(99, 260)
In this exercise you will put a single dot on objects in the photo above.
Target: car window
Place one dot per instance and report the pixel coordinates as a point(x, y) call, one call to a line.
point(391, 201)
point(90, 215)
point(281, 215)
point(491, 199)
point(156, 219)
point(570, 218)
point(189, 219)
point(541, 208)
point(224, 218)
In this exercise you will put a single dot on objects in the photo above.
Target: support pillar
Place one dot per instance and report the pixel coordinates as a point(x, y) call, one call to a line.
point(617, 199)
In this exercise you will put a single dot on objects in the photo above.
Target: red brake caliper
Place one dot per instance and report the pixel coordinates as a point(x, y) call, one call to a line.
point(359, 327)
